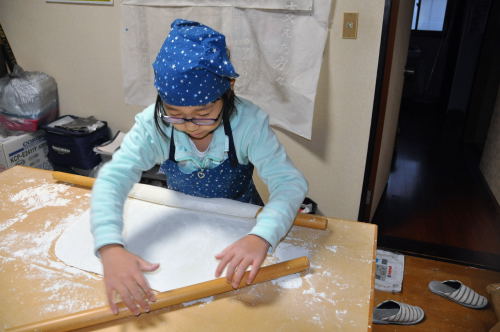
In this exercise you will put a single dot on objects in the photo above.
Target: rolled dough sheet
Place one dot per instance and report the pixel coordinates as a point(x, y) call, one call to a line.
point(183, 241)
point(164, 196)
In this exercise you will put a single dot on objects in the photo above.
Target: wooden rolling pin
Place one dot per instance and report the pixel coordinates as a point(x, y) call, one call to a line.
point(302, 219)
point(101, 315)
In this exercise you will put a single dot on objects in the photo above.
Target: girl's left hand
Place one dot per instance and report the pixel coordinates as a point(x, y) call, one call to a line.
point(248, 251)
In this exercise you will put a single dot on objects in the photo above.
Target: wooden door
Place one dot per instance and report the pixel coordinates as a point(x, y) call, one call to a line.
point(392, 61)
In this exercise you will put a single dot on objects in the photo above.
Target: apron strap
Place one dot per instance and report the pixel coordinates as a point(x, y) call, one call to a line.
point(232, 150)
point(171, 153)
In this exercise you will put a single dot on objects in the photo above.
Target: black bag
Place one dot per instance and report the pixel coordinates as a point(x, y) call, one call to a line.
point(71, 145)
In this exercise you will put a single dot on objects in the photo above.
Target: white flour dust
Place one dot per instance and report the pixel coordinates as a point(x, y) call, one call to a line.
point(316, 319)
point(54, 278)
point(289, 281)
point(9, 222)
point(36, 246)
point(331, 248)
point(286, 251)
point(47, 194)
point(318, 296)
point(203, 301)
point(315, 295)
point(61, 294)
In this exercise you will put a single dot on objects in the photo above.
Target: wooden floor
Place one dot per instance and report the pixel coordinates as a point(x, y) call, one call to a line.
point(441, 314)
point(436, 203)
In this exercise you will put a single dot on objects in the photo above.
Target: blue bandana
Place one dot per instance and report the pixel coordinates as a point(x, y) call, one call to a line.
point(192, 67)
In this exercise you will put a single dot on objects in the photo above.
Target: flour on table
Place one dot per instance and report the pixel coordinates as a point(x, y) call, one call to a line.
point(316, 319)
point(47, 194)
point(289, 281)
point(9, 222)
point(286, 251)
point(331, 248)
point(202, 301)
point(57, 279)
point(35, 250)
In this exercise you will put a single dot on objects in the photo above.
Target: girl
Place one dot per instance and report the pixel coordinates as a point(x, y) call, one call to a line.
point(207, 142)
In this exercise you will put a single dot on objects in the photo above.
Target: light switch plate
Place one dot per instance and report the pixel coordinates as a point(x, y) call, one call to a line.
point(350, 26)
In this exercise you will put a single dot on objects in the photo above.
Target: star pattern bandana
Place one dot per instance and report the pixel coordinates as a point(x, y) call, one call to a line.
point(192, 67)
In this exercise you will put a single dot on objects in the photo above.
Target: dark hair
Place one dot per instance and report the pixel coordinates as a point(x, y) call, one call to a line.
point(228, 107)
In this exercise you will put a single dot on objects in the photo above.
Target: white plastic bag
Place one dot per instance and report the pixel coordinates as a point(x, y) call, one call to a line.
point(28, 94)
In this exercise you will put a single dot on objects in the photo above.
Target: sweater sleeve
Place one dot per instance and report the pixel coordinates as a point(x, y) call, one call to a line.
point(287, 186)
point(140, 150)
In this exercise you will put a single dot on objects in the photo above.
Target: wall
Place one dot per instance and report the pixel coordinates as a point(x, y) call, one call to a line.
point(474, 25)
point(79, 45)
point(490, 160)
point(486, 81)
point(334, 160)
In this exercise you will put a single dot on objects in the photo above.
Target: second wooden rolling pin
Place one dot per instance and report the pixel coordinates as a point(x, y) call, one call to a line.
point(168, 197)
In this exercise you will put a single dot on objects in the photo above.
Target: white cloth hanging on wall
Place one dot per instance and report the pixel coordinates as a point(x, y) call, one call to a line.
point(276, 46)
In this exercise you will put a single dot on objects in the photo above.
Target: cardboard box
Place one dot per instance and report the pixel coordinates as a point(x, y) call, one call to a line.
point(28, 149)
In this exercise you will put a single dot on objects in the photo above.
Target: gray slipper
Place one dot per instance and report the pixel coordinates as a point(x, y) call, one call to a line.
point(393, 312)
point(456, 291)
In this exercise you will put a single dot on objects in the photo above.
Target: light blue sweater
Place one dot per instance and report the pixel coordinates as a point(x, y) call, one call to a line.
point(144, 146)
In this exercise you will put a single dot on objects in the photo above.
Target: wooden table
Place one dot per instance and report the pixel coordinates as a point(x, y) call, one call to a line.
point(336, 294)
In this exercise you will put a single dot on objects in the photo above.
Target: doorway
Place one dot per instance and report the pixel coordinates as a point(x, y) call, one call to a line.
point(436, 202)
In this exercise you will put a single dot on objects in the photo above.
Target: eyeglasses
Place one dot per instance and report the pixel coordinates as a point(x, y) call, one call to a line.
point(196, 121)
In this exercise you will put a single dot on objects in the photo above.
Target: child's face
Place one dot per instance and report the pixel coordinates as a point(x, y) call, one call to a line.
point(208, 111)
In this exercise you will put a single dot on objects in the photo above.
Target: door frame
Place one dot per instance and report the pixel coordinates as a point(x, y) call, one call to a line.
point(388, 37)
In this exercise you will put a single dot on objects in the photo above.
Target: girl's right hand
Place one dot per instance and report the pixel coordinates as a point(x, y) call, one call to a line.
point(123, 273)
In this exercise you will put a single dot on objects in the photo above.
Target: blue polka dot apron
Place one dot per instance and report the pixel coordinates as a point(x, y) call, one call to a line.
point(228, 180)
